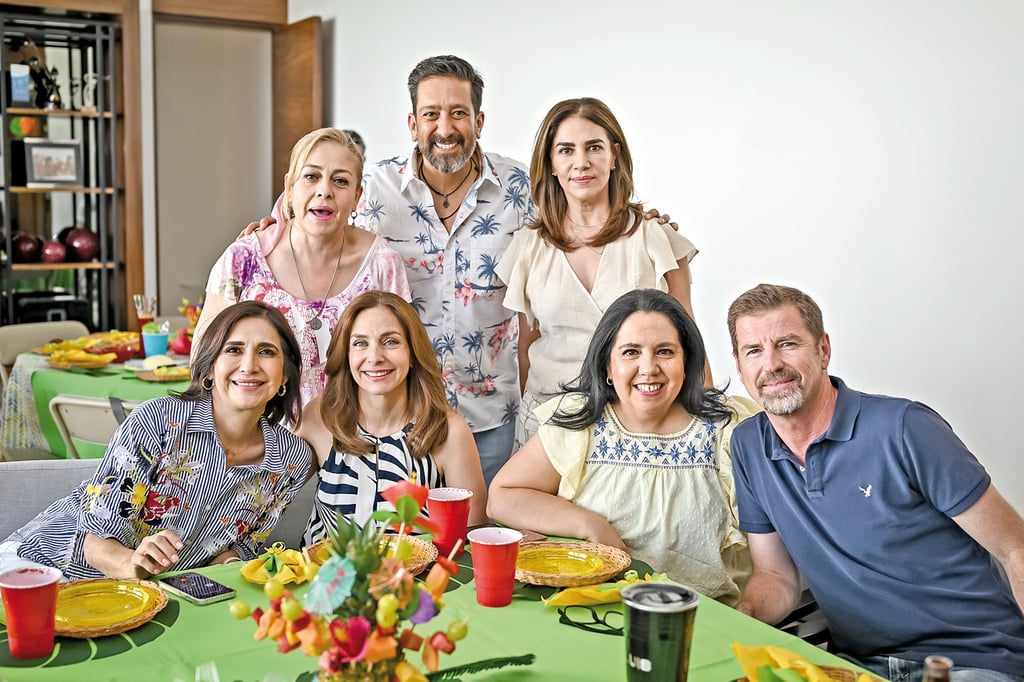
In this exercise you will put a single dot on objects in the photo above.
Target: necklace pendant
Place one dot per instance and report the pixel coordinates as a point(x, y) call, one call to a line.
point(445, 202)
point(315, 323)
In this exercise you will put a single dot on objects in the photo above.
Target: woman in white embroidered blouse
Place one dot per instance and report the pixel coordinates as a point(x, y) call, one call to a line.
point(589, 244)
point(636, 453)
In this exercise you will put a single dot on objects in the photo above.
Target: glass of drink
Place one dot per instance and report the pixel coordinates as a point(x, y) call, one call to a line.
point(145, 308)
point(30, 606)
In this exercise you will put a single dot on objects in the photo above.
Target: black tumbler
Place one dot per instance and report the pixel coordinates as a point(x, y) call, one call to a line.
point(659, 627)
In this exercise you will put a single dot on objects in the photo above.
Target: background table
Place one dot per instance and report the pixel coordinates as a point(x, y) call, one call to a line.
point(25, 420)
point(185, 637)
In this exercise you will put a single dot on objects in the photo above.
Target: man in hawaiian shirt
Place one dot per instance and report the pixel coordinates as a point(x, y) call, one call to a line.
point(450, 210)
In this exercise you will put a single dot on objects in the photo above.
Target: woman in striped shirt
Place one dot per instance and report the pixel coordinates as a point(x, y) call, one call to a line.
point(383, 417)
point(195, 478)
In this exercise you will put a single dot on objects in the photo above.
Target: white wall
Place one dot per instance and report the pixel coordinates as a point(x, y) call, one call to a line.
point(869, 153)
point(213, 147)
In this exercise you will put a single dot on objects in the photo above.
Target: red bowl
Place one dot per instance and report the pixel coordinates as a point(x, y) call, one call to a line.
point(124, 353)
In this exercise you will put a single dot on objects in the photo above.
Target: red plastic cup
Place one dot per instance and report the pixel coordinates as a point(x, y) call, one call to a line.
point(494, 551)
point(30, 607)
point(449, 508)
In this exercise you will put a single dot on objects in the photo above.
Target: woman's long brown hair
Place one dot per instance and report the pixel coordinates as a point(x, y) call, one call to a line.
point(339, 407)
point(548, 195)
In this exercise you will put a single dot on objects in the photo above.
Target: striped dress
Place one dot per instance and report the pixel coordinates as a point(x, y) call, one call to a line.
point(352, 484)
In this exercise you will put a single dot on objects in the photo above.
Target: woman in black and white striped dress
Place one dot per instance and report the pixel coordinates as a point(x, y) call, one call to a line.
point(384, 417)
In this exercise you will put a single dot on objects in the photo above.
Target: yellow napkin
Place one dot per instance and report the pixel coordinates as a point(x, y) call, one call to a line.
point(287, 565)
point(772, 663)
point(604, 593)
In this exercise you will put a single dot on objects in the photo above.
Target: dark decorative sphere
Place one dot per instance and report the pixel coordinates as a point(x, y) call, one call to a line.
point(62, 236)
point(26, 248)
point(82, 245)
point(54, 252)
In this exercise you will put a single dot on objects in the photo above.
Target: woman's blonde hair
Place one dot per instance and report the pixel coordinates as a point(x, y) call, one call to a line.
point(548, 195)
point(428, 407)
point(301, 151)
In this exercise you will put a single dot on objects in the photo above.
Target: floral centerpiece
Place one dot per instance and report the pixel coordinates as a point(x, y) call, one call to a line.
point(360, 613)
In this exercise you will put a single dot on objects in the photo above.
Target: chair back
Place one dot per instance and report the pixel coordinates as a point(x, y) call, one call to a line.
point(87, 419)
point(18, 338)
point(27, 488)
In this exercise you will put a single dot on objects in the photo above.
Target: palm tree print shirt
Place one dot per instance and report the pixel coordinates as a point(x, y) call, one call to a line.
point(452, 275)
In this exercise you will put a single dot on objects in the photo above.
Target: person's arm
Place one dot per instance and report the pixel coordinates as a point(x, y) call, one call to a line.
point(213, 304)
point(527, 335)
point(459, 461)
point(313, 431)
point(773, 590)
point(997, 527)
point(155, 554)
point(523, 495)
point(678, 281)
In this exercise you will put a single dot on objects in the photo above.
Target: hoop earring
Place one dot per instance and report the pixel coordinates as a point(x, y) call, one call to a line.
point(284, 389)
point(207, 386)
point(608, 380)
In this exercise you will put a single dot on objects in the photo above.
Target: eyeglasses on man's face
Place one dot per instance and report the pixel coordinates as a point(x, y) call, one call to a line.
point(586, 618)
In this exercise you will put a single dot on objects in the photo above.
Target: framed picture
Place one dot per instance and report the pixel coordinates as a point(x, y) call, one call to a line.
point(51, 162)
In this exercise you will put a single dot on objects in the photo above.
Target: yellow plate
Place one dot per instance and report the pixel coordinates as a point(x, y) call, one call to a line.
point(423, 552)
point(564, 561)
point(565, 564)
point(179, 374)
point(103, 606)
point(100, 362)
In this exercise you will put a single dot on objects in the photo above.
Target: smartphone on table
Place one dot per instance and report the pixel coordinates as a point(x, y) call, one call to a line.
point(196, 588)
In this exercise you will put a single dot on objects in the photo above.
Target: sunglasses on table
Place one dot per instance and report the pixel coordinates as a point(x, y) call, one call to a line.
point(586, 618)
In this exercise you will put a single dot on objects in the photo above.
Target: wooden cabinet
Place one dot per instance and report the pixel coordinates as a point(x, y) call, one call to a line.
point(61, 149)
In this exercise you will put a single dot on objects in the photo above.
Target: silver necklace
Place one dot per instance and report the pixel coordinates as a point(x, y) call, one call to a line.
point(315, 323)
point(600, 224)
point(583, 242)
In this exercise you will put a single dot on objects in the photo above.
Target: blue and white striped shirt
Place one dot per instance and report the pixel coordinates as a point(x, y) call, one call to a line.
point(165, 469)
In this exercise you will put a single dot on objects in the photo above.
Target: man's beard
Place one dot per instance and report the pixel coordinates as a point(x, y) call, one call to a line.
point(449, 162)
point(781, 403)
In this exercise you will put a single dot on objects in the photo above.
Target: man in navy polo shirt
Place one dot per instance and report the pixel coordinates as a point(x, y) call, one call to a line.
point(893, 523)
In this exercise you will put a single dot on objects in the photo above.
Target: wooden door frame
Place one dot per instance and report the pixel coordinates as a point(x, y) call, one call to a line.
point(126, 13)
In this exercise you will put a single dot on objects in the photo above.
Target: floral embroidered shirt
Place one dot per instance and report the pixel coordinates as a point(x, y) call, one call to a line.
point(452, 275)
point(243, 274)
point(166, 470)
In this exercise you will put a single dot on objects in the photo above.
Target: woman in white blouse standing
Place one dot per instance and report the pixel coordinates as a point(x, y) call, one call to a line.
point(589, 245)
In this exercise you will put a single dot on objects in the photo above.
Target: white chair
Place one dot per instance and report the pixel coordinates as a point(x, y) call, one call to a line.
point(18, 338)
point(87, 419)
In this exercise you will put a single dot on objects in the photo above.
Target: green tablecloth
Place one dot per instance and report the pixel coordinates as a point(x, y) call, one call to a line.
point(113, 381)
point(184, 637)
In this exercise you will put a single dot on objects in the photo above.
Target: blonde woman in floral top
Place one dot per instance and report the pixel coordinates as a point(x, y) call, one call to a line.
point(192, 479)
point(316, 262)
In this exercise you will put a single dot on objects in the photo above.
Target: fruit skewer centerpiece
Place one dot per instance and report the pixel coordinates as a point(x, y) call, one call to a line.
point(362, 608)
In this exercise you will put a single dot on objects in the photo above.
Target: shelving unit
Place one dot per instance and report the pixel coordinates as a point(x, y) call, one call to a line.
point(81, 44)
